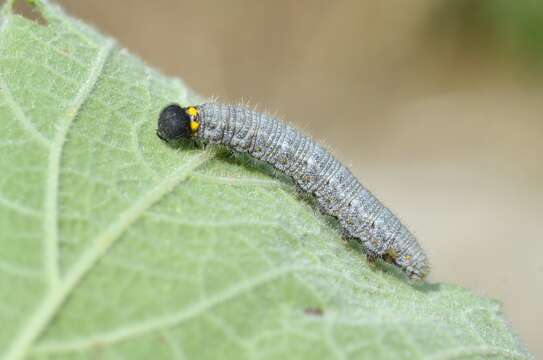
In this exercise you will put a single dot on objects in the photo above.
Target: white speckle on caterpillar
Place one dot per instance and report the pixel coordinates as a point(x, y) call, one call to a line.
point(315, 171)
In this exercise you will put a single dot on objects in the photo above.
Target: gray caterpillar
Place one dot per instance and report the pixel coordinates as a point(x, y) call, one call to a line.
point(337, 191)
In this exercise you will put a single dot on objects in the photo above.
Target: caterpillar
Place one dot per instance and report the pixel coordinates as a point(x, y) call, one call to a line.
point(314, 170)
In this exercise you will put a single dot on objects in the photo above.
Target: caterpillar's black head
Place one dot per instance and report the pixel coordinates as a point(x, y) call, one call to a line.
point(175, 123)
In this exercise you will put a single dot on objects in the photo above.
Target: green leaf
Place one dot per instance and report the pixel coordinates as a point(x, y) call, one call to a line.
point(116, 245)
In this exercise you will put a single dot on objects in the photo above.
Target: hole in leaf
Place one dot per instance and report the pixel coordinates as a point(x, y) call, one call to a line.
point(29, 10)
point(314, 311)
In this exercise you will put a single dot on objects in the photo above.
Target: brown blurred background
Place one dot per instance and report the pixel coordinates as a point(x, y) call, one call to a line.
point(436, 105)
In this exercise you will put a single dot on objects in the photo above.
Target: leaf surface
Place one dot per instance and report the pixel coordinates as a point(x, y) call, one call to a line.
point(116, 245)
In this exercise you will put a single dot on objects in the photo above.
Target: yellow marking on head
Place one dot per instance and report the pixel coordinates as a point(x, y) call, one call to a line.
point(408, 257)
point(192, 111)
point(194, 125)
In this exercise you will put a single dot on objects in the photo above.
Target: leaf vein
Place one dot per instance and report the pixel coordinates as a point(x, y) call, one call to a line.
point(51, 210)
point(102, 243)
point(21, 116)
point(239, 181)
point(167, 321)
point(24, 210)
point(19, 271)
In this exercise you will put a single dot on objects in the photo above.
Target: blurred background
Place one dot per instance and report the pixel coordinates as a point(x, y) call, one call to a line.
point(436, 105)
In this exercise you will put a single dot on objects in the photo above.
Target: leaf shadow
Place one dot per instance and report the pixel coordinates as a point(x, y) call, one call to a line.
point(252, 165)
point(419, 285)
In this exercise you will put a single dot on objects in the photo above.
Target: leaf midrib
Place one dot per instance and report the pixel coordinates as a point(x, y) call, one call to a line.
point(53, 172)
